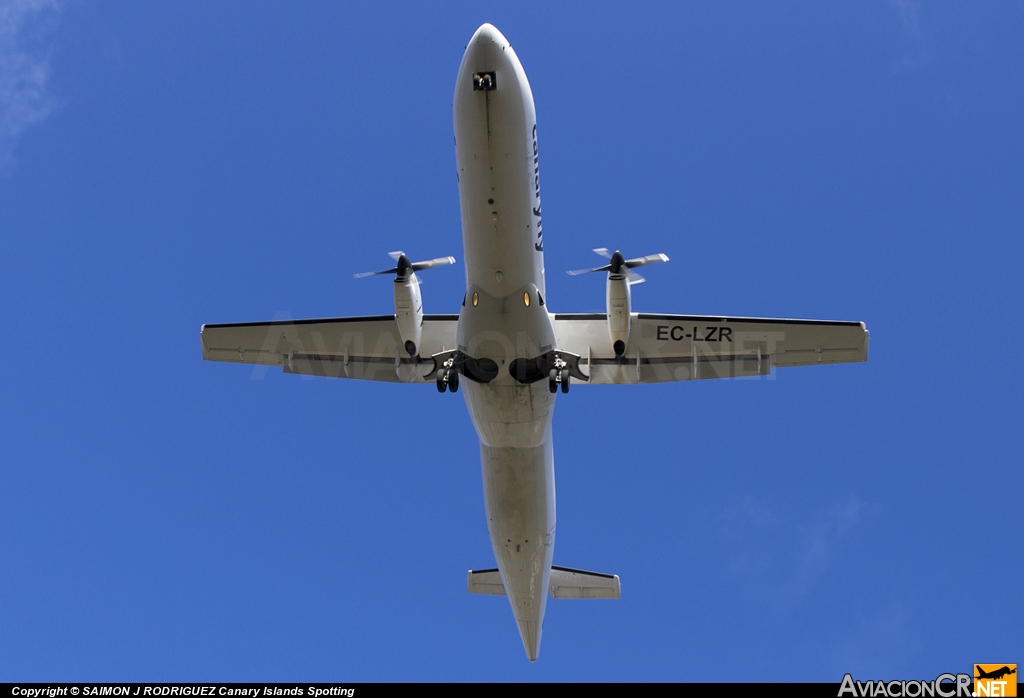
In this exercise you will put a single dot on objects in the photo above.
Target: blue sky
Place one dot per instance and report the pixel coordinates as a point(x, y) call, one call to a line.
point(163, 165)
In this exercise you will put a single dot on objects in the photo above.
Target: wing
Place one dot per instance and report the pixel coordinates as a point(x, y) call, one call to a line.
point(687, 347)
point(366, 348)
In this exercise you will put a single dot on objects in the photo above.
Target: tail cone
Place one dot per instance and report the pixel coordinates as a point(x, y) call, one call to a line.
point(530, 632)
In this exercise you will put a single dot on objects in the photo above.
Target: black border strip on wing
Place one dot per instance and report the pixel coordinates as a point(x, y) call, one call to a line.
point(712, 318)
point(326, 320)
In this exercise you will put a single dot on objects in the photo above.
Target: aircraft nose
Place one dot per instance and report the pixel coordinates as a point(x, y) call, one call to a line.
point(487, 52)
point(487, 33)
point(487, 45)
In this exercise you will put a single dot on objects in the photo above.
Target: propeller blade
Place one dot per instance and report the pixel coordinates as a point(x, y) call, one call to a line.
point(577, 272)
point(364, 274)
point(431, 263)
point(405, 267)
point(622, 266)
point(649, 259)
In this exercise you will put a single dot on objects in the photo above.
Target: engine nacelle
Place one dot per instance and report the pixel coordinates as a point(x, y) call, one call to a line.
point(620, 277)
point(408, 303)
point(618, 312)
point(409, 312)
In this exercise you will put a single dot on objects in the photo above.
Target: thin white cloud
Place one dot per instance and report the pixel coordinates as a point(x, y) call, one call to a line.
point(24, 70)
point(917, 53)
point(910, 13)
point(787, 557)
point(826, 534)
point(882, 638)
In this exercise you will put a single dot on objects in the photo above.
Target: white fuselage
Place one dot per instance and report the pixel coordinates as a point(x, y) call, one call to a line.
point(504, 317)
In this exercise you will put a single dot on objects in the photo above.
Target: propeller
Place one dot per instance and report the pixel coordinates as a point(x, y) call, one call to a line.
point(620, 265)
point(404, 268)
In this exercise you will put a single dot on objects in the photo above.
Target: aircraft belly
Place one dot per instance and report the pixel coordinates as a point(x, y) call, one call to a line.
point(519, 495)
point(507, 414)
point(504, 318)
point(499, 193)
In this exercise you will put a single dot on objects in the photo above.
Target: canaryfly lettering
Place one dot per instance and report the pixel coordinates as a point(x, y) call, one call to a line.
point(539, 245)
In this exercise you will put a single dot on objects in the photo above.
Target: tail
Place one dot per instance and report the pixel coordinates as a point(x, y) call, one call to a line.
point(566, 583)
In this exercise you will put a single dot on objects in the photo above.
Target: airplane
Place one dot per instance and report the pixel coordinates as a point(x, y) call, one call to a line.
point(515, 354)
point(995, 674)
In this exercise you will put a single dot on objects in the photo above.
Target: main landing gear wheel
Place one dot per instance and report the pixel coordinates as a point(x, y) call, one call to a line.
point(565, 380)
point(447, 379)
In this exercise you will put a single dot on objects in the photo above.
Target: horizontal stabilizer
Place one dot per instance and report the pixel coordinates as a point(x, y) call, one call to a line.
point(566, 583)
point(486, 582)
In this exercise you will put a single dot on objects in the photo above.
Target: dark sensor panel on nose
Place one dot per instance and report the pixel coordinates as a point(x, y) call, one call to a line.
point(485, 81)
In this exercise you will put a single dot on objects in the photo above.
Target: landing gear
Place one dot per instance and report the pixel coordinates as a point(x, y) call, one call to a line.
point(448, 377)
point(558, 376)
